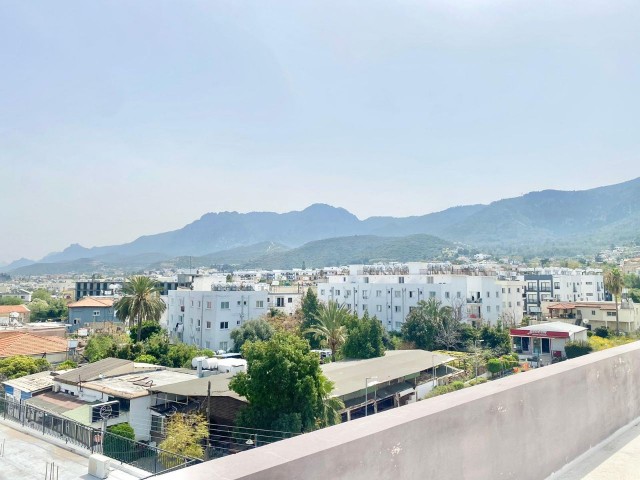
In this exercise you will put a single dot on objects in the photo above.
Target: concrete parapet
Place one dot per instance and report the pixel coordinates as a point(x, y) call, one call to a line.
point(521, 427)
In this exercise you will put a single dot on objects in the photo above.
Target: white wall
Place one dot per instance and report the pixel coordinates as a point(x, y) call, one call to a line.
point(207, 318)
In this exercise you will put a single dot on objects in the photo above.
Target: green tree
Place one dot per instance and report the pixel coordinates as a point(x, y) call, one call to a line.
point(310, 308)
point(284, 385)
point(497, 338)
point(329, 327)
point(141, 302)
point(613, 283)
point(148, 329)
point(146, 358)
point(253, 330)
point(577, 349)
point(179, 355)
point(185, 435)
point(364, 338)
point(422, 325)
point(41, 294)
point(119, 443)
point(99, 346)
point(20, 365)
point(67, 365)
point(494, 365)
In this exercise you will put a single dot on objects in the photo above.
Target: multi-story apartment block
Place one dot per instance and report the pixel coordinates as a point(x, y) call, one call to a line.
point(206, 318)
point(390, 298)
point(562, 286)
point(100, 288)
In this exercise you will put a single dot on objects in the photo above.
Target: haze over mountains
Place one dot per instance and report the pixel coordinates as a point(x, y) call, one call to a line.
point(584, 220)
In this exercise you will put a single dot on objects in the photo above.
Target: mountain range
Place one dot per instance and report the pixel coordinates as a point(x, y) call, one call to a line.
point(550, 219)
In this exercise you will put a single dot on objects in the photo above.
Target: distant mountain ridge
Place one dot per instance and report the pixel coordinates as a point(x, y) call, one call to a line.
point(587, 218)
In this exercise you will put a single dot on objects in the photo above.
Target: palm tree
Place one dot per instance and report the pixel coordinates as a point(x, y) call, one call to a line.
point(330, 326)
point(613, 283)
point(331, 405)
point(141, 302)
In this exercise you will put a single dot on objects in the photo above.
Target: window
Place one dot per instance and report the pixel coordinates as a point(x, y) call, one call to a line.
point(410, 293)
point(397, 308)
point(509, 289)
point(378, 293)
point(224, 326)
point(199, 303)
point(198, 324)
point(498, 294)
point(378, 308)
point(259, 303)
point(208, 304)
point(208, 324)
point(224, 305)
point(517, 304)
point(364, 308)
point(593, 312)
point(611, 314)
point(290, 300)
point(488, 294)
point(207, 344)
point(503, 290)
point(337, 292)
point(497, 308)
point(192, 303)
point(223, 346)
point(322, 292)
point(510, 305)
point(432, 294)
point(398, 325)
point(458, 295)
point(532, 286)
point(446, 295)
point(556, 285)
point(397, 293)
point(347, 293)
point(96, 313)
point(400, 279)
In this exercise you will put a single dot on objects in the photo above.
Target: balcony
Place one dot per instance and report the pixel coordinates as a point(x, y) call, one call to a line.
point(474, 300)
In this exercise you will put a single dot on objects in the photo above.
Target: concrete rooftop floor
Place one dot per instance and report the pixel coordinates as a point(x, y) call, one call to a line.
point(618, 457)
point(26, 457)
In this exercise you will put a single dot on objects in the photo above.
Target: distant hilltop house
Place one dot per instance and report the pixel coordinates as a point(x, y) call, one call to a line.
point(94, 313)
point(52, 349)
point(18, 313)
point(21, 293)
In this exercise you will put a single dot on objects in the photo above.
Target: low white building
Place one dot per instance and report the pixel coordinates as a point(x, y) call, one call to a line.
point(206, 318)
point(390, 298)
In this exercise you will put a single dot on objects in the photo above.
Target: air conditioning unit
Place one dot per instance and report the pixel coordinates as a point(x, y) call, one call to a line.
point(99, 466)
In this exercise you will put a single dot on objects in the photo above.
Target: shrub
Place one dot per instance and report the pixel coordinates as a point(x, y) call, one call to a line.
point(119, 442)
point(602, 332)
point(494, 365)
point(577, 349)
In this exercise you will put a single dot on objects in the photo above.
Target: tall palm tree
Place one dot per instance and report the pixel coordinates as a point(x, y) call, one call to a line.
point(330, 327)
point(613, 282)
point(140, 303)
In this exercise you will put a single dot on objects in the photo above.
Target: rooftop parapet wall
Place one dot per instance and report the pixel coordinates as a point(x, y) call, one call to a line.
point(522, 427)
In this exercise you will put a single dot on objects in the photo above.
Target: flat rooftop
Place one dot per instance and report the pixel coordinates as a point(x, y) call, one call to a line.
point(137, 384)
point(349, 375)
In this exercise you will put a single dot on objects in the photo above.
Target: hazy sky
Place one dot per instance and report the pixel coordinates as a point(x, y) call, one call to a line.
point(124, 118)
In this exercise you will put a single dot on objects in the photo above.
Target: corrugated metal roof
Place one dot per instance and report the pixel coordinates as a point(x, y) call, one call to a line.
point(93, 371)
point(349, 376)
point(32, 383)
point(198, 387)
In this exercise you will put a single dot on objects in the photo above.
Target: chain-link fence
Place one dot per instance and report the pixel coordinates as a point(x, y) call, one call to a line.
point(141, 455)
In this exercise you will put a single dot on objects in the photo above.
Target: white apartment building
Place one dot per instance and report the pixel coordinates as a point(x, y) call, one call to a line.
point(390, 298)
point(206, 318)
point(562, 285)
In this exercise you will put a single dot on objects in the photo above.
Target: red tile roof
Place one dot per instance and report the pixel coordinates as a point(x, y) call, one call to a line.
point(93, 302)
point(7, 309)
point(20, 343)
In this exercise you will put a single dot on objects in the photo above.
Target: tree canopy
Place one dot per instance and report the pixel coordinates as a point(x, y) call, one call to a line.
point(253, 330)
point(185, 433)
point(284, 385)
point(364, 338)
point(20, 365)
point(330, 326)
point(310, 308)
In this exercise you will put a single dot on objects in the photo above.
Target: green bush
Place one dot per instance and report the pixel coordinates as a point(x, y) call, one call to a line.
point(577, 349)
point(119, 442)
point(602, 332)
point(494, 365)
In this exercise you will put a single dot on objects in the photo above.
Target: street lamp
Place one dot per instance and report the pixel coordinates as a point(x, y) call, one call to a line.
point(366, 391)
point(475, 343)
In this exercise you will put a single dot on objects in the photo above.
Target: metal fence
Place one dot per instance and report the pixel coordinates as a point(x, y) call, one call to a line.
point(141, 455)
